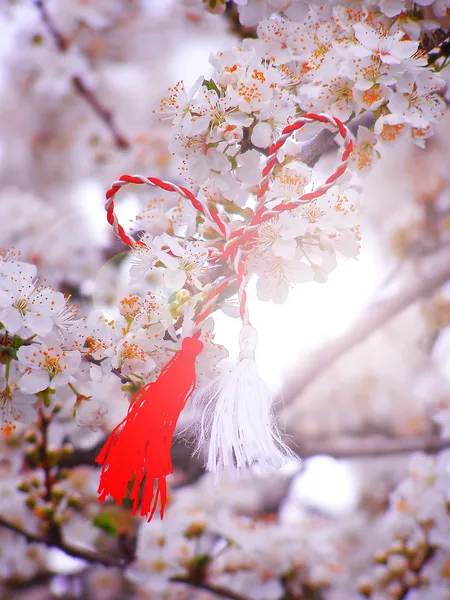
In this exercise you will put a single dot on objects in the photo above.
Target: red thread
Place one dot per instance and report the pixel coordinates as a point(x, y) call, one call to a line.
point(138, 449)
point(110, 194)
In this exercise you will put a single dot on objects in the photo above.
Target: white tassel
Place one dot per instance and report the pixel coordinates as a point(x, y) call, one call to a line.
point(237, 419)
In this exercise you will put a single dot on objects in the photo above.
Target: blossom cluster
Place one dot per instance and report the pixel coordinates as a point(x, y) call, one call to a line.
point(251, 12)
point(363, 65)
point(415, 563)
point(330, 59)
point(50, 355)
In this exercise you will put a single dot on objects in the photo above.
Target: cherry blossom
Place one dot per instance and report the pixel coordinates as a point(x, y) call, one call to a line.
point(27, 307)
point(46, 365)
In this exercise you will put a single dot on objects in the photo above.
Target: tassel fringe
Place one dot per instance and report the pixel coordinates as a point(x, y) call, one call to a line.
point(138, 449)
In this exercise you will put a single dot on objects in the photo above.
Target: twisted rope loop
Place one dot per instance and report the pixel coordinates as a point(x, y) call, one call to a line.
point(239, 241)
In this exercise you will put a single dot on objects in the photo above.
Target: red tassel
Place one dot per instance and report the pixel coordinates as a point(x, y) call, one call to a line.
point(139, 447)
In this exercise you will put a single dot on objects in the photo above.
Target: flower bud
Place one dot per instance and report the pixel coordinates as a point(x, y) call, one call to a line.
point(45, 511)
point(57, 408)
point(53, 456)
point(24, 486)
point(35, 482)
point(67, 450)
point(58, 493)
point(63, 474)
point(216, 7)
point(31, 437)
point(74, 502)
point(365, 587)
point(30, 501)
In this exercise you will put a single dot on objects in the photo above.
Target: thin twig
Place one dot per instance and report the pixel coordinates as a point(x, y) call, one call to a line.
point(97, 558)
point(80, 87)
point(435, 271)
point(218, 591)
point(82, 553)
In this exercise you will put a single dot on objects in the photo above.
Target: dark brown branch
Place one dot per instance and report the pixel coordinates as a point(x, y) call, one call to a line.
point(82, 553)
point(372, 447)
point(79, 86)
point(40, 579)
point(94, 557)
point(434, 272)
point(218, 591)
point(236, 27)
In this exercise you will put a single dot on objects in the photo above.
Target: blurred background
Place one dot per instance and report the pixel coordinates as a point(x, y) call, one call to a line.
point(363, 371)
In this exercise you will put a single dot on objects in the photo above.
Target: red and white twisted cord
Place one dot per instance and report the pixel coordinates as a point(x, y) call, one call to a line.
point(200, 205)
point(262, 214)
point(243, 236)
point(285, 135)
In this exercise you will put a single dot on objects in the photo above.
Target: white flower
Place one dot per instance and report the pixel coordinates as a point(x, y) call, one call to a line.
point(209, 361)
point(203, 156)
point(98, 336)
point(277, 275)
point(92, 413)
point(144, 259)
point(389, 47)
point(15, 406)
point(364, 155)
point(179, 105)
point(289, 183)
point(47, 365)
point(97, 398)
point(334, 96)
point(133, 354)
point(249, 167)
point(192, 257)
point(23, 305)
point(154, 222)
point(416, 100)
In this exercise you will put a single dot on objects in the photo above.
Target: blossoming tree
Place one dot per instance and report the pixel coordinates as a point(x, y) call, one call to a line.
point(138, 458)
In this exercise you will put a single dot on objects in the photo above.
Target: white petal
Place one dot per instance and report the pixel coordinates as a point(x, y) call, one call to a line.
point(5, 299)
point(366, 35)
point(239, 119)
point(301, 272)
point(34, 382)
point(284, 248)
point(60, 380)
point(11, 319)
point(71, 360)
point(262, 135)
point(174, 279)
point(41, 325)
point(405, 49)
point(24, 405)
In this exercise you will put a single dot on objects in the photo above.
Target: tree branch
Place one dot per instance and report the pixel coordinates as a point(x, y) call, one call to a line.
point(82, 553)
point(372, 447)
point(79, 86)
point(218, 591)
point(97, 558)
point(435, 271)
point(236, 27)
